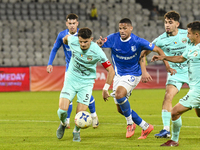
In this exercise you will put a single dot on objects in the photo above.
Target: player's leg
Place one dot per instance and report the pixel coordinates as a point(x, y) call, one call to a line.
point(68, 116)
point(95, 121)
point(62, 114)
point(177, 111)
point(171, 91)
point(83, 98)
point(64, 101)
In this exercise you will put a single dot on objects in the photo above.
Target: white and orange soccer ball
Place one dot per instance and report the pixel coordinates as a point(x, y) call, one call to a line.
point(83, 119)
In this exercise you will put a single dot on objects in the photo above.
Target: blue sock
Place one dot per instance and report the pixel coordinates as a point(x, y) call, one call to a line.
point(62, 114)
point(136, 118)
point(92, 105)
point(69, 110)
point(125, 106)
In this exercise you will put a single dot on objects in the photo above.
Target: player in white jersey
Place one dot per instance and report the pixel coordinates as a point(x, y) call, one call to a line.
point(81, 75)
point(173, 42)
point(125, 52)
point(72, 25)
point(192, 98)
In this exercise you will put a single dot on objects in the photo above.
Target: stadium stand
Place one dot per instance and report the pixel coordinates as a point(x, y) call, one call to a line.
point(28, 28)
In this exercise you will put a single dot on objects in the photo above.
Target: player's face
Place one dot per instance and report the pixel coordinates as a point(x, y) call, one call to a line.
point(85, 43)
point(171, 26)
point(191, 35)
point(72, 25)
point(125, 30)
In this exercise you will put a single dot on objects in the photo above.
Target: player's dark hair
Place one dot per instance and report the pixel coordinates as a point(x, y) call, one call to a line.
point(195, 26)
point(172, 15)
point(72, 16)
point(125, 20)
point(85, 33)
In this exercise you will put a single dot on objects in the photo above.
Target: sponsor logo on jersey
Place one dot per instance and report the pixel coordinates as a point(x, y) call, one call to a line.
point(105, 39)
point(133, 48)
point(89, 58)
point(184, 40)
point(195, 54)
point(150, 45)
point(118, 49)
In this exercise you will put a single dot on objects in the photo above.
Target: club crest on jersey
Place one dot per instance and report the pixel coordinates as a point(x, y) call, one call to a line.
point(195, 54)
point(133, 48)
point(184, 40)
point(89, 58)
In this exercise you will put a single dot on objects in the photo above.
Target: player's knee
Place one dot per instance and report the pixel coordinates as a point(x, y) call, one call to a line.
point(118, 95)
point(168, 97)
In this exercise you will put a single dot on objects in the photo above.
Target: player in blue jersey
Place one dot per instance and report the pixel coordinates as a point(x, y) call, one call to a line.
point(173, 42)
point(192, 98)
point(80, 76)
point(126, 49)
point(72, 24)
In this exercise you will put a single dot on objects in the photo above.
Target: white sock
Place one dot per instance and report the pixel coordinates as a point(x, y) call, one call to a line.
point(93, 114)
point(129, 120)
point(144, 125)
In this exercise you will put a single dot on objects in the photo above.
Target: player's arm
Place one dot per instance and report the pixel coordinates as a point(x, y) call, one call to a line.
point(175, 59)
point(111, 73)
point(145, 75)
point(161, 53)
point(65, 39)
point(52, 55)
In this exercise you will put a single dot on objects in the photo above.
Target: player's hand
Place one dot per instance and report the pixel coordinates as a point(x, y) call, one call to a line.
point(171, 71)
point(146, 77)
point(105, 95)
point(156, 58)
point(100, 41)
point(49, 68)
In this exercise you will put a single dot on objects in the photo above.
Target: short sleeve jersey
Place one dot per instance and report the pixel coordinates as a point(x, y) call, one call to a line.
point(193, 59)
point(83, 62)
point(125, 54)
point(174, 46)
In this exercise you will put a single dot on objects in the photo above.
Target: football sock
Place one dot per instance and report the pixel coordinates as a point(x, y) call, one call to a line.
point(125, 106)
point(69, 110)
point(144, 125)
point(92, 105)
point(136, 118)
point(62, 114)
point(176, 126)
point(166, 117)
point(77, 129)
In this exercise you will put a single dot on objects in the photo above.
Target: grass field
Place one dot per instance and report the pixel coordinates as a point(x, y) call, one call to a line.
point(28, 121)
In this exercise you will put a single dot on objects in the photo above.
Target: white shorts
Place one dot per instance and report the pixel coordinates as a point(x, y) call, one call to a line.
point(129, 82)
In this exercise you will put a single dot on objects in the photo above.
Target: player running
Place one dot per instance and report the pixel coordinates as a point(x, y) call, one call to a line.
point(126, 49)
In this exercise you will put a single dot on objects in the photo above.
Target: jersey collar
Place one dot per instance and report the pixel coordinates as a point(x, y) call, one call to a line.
point(125, 40)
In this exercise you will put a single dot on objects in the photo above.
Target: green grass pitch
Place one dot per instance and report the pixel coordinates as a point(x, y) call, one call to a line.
point(28, 121)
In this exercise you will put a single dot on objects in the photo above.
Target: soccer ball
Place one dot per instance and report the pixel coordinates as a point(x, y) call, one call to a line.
point(83, 119)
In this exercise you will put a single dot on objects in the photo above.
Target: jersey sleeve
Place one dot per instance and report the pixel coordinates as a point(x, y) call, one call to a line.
point(146, 45)
point(108, 41)
point(55, 48)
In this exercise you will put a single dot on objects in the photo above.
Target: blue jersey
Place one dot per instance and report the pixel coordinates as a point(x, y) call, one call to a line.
point(125, 54)
point(58, 43)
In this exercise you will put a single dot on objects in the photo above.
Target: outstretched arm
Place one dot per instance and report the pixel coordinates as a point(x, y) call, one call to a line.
point(175, 59)
point(161, 53)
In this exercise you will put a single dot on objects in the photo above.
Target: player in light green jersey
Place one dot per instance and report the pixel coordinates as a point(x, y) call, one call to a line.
point(192, 98)
point(81, 75)
point(173, 42)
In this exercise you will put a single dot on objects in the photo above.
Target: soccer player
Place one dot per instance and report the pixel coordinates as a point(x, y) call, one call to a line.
point(192, 98)
point(72, 24)
point(173, 42)
point(126, 49)
point(80, 76)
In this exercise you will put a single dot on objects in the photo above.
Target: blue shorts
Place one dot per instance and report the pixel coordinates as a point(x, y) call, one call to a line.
point(177, 80)
point(191, 99)
point(72, 87)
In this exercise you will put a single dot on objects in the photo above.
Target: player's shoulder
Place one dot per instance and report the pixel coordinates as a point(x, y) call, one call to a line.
point(63, 33)
point(182, 31)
